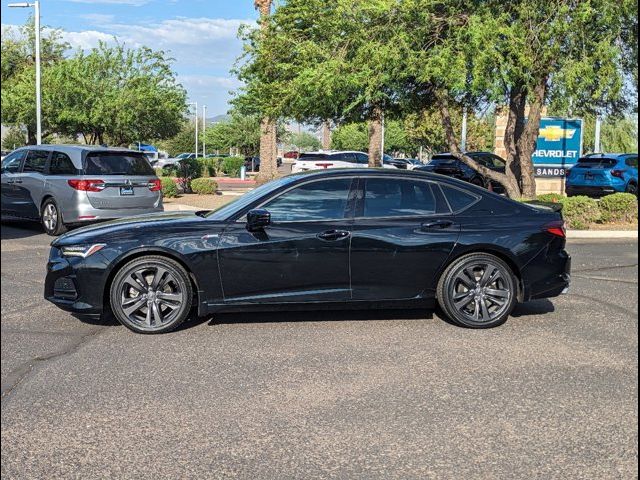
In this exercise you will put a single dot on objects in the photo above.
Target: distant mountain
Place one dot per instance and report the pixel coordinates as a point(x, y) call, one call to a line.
point(218, 119)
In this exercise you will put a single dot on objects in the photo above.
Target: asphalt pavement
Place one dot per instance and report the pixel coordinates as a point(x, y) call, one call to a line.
point(373, 394)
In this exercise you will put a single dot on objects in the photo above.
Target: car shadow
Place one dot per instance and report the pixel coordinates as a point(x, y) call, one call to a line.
point(320, 316)
point(534, 307)
point(15, 229)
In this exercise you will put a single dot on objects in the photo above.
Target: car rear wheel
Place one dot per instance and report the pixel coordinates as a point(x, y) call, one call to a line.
point(51, 218)
point(478, 182)
point(632, 188)
point(151, 294)
point(478, 291)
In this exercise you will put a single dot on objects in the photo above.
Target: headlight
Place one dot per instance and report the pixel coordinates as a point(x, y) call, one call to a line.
point(82, 250)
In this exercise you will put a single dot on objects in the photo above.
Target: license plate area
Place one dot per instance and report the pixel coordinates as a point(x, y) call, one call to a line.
point(126, 191)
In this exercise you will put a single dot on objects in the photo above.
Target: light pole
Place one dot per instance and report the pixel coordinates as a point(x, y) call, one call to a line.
point(204, 130)
point(36, 7)
point(463, 142)
point(195, 116)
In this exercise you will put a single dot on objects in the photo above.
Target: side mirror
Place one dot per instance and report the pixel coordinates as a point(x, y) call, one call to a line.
point(258, 219)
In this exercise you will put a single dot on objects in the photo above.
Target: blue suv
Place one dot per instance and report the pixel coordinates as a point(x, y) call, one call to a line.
point(601, 174)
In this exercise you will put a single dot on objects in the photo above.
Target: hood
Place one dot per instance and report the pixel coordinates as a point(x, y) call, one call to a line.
point(127, 226)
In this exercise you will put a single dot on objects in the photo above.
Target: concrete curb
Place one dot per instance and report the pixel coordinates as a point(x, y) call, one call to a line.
point(605, 234)
point(179, 207)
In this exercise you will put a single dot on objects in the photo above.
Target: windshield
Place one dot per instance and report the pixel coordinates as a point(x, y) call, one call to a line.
point(444, 160)
point(117, 163)
point(226, 211)
point(183, 155)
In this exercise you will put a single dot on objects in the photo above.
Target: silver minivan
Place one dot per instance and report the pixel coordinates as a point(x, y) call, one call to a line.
point(63, 185)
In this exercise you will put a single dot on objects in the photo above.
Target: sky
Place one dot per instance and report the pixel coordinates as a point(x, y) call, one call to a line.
point(201, 35)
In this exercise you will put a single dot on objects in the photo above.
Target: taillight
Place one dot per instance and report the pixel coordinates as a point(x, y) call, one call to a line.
point(556, 228)
point(618, 173)
point(155, 185)
point(324, 165)
point(87, 185)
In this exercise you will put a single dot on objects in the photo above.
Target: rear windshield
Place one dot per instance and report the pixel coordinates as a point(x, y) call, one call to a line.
point(117, 163)
point(312, 156)
point(444, 160)
point(596, 162)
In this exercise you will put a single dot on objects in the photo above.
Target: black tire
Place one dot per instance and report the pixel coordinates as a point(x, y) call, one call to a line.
point(471, 300)
point(51, 218)
point(477, 181)
point(632, 188)
point(151, 294)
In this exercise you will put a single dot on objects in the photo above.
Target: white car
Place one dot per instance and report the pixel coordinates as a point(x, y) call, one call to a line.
point(165, 162)
point(332, 159)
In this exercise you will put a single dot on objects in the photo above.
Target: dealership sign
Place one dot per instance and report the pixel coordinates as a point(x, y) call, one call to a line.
point(558, 147)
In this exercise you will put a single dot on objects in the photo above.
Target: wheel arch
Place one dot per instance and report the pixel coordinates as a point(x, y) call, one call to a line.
point(158, 252)
point(503, 255)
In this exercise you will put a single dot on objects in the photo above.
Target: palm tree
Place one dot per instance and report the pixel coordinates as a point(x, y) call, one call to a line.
point(268, 139)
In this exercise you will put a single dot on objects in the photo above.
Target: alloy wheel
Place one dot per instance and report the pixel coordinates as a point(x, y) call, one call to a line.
point(151, 297)
point(480, 292)
point(50, 217)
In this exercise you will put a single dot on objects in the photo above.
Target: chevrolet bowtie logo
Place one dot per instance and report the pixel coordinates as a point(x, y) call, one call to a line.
point(553, 133)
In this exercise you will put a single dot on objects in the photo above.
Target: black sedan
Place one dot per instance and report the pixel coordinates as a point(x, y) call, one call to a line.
point(447, 164)
point(358, 238)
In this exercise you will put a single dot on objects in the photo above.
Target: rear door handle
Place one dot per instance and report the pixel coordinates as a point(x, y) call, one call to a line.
point(17, 181)
point(332, 235)
point(436, 225)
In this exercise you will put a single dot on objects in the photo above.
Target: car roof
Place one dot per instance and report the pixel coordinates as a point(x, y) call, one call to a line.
point(610, 155)
point(74, 149)
point(367, 172)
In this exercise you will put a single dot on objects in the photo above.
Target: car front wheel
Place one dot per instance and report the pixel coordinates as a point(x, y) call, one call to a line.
point(478, 291)
point(151, 294)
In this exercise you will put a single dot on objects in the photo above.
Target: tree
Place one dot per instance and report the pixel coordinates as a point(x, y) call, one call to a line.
point(355, 136)
point(618, 134)
point(183, 141)
point(14, 138)
point(525, 54)
point(304, 141)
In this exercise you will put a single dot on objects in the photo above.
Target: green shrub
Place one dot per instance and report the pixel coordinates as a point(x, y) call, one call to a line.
point(579, 212)
point(231, 166)
point(211, 167)
point(619, 207)
point(186, 170)
point(551, 198)
point(204, 186)
point(169, 187)
point(162, 172)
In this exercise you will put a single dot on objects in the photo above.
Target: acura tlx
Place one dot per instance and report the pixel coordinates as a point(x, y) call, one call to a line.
point(353, 238)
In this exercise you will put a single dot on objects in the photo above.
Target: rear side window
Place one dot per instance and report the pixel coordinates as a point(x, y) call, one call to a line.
point(458, 199)
point(362, 158)
point(589, 162)
point(61, 164)
point(36, 160)
point(632, 162)
point(322, 200)
point(117, 163)
point(397, 198)
point(312, 156)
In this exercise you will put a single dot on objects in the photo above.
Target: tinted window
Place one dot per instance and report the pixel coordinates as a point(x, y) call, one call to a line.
point(397, 198)
point(116, 163)
point(36, 160)
point(632, 162)
point(362, 158)
point(493, 161)
point(12, 162)
point(312, 156)
point(61, 164)
point(323, 200)
point(444, 160)
point(458, 199)
point(588, 162)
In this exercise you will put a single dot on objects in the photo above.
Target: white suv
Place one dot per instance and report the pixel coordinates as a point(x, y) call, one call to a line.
point(332, 159)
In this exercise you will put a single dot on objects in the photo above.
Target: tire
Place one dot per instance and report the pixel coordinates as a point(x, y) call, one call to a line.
point(151, 294)
point(472, 301)
point(477, 181)
point(51, 218)
point(632, 188)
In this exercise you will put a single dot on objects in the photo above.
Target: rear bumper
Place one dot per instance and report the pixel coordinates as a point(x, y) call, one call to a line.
point(86, 214)
point(592, 190)
point(549, 277)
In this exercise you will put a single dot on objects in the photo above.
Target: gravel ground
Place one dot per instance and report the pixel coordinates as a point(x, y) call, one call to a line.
point(371, 394)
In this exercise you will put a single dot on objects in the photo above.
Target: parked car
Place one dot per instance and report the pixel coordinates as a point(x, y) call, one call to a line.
point(3, 153)
point(63, 185)
point(403, 163)
point(292, 154)
point(360, 238)
point(171, 161)
point(602, 174)
point(447, 164)
point(335, 159)
point(252, 164)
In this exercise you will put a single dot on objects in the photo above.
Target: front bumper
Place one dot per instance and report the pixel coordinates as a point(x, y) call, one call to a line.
point(76, 284)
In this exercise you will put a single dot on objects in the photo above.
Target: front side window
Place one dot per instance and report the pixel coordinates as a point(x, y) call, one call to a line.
point(362, 158)
point(314, 201)
point(117, 163)
point(61, 164)
point(35, 162)
point(11, 164)
point(398, 198)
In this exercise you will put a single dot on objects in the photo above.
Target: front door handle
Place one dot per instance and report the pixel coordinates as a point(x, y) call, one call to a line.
point(332, 235)
point(17, 181)
point(436, 225)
